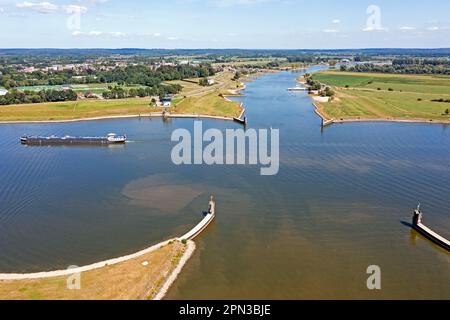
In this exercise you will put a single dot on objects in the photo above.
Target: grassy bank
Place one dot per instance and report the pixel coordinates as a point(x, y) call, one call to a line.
point(384, 96)
point(75, 110)
point(210, 104)
point(139, 278)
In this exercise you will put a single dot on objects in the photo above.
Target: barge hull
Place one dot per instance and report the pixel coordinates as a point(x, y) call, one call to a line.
point(65, 141)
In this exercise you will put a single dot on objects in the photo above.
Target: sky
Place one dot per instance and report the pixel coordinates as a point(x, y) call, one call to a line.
point(247, 24)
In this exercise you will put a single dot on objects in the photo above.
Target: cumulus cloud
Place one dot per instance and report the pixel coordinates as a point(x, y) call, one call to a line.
point(48, 7)
point(331, 31)
point(92, 2)
point(118, 34)
point(70, 9)
point(228, 3)
point(41, 7)
point(95, 33)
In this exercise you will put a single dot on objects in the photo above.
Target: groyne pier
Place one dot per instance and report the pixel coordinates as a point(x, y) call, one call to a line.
point(188, 237)
point(427, 232)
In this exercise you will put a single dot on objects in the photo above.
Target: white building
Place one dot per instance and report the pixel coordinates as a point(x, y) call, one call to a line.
point(166, 102)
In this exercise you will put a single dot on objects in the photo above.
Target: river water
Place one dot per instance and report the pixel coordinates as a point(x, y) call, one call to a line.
point(339, 204)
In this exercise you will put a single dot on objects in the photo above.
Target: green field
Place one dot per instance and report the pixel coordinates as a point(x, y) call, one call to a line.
point(433, 84)
point(75, 109)
point(209, 104)
point(368, 96)
point(97, 88)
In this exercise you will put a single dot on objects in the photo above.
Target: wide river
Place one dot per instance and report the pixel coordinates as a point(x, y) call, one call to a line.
point(340, 203)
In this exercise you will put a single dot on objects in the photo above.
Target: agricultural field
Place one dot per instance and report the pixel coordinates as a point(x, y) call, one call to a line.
point(209, 104)
point(75, 109)
point(385, 96)
point(190, 86)
point(223, 83)
point(433, 84)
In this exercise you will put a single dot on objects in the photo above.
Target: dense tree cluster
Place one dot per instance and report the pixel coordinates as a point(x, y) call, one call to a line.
point(12, 78)
point(19, 97)
point(144, 75)
point(312, 84)
point(405, 66)
point(120, 92)
point(138, 74)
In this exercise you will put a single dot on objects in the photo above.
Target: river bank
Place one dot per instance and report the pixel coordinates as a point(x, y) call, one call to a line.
point(131, 272)
point(329, 121)
point(364, 97)
point(139, 276)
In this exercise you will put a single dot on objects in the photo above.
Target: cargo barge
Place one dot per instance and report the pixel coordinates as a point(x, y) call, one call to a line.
point(111, 138)
point(427, 232)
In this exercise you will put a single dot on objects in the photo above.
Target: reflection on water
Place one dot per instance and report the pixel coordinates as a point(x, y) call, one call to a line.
point(309, 232)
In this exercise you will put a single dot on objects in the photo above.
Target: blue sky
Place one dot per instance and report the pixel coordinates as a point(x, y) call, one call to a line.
point(287, 24)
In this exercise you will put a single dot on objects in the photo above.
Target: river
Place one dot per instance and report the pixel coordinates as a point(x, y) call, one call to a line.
point(339, 203)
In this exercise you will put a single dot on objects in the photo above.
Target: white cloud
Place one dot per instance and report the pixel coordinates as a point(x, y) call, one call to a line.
point(228, 3)
point(93, 2)
point(41, 7)
point(370, 29)
point(48, 7)
point(433, 28)
point(157, 34)
point(2, 10)
point(331, 31)
point(70, 9)
point(407, 28)
point(118, 34)
point(95, 33)
point(336, 21)
point(172, 38)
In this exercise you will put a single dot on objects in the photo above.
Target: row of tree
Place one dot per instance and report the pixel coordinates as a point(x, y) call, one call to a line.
point(20, 97)
point(398, 68)
point(138, 74)
point(120, 92)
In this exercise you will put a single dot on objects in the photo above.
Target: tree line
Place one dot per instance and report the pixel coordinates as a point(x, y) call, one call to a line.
point(137, 74)
point(20, 97)
point(119, 92)
point(404, 66)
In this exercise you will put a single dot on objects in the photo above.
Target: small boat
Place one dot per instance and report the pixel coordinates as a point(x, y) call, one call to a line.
point(298, 88)
point(427, 232)
point(111, 138)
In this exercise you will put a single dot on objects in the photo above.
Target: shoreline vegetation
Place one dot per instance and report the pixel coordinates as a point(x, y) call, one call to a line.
point(372, 97)
point(194, 101)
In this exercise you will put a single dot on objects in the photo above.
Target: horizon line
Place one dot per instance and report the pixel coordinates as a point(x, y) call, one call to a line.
point(254, 49)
